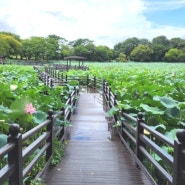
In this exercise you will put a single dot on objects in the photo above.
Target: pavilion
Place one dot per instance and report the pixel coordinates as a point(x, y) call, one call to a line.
point(76, 58)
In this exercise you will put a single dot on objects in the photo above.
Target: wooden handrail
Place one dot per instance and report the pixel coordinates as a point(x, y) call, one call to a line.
point(17, 154)
point(142, 145)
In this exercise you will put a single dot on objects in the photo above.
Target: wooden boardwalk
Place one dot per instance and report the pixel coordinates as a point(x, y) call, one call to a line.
point(92, 156)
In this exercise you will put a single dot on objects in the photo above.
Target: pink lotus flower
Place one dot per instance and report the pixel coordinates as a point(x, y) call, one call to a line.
point(29, 109)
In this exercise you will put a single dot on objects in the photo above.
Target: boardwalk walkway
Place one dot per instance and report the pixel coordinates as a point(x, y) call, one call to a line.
point(92, 156)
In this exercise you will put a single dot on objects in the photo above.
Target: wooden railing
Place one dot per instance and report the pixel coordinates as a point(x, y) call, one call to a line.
point(64, 67)
point(143, 143)
point(60, 67)
point(42, 137)
point(53, 77)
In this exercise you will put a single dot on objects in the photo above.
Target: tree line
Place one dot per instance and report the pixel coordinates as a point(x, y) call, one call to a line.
point(54, 47)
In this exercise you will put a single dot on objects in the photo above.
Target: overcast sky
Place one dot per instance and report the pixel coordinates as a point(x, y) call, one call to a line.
point(106, 22)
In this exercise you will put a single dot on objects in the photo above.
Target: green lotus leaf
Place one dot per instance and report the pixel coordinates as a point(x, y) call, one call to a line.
point(171, 134)
point(153, 110)
point(166, 101)
point(39, 117)
point(173, 112)
point(3, 140)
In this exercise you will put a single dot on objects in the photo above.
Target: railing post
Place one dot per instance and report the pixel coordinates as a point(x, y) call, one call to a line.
point(63, 117)
point(140, 130)
point(62, 77)
point(104, 96)
point(69, 96)
point(15, 155)
point(47, 80)
point(58, 75)
point(103, 86)
point(70, 104)
point(94, 83)
point(51, 73)
point(115, 116)
point(51, 83)
point(115, 98)
point(122, 127)
point(76, 94)
point(87, 81)
point(49, 151)
point(109, 97)
point(179, 159)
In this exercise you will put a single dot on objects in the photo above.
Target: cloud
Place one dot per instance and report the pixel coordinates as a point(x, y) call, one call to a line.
point(159, 5)
point(106, 22)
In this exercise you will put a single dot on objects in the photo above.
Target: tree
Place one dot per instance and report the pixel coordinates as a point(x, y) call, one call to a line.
point(161, 40)
point(59, 43)
point(127, 46)
point(91, 54)
point(177, 43)
point(51, 48)
point(121, 58)
point(13, 47)
point(37, 47)
point(4, 46)
point(27, 51)
point(174, 55)
point(80, 50)
point(15, 36)
point(144, 42)
point(141, 53)
point(159, 51)
point(160, 45)
point(80, 42)
point(65, 51)
point(88, 51)
point(103, 53)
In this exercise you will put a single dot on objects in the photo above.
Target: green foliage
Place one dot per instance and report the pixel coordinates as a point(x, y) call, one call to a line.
point(158, 52)
point(174, 55)
point(3, 140)
point(177, 42)
point(121, 58)
point(112, 111)
point(58, 152)
point(21, 87)
point(127, 46)
point(141, 53)
point(103, 53)
point(153, 110)
point(39, 117)
point(10, 44)
point(155, 89)
point(30, 178)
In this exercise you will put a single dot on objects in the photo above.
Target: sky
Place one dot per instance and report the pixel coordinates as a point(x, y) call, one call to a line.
point(106, 22)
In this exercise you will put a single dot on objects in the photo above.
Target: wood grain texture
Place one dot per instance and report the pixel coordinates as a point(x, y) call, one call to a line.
point(93, 155)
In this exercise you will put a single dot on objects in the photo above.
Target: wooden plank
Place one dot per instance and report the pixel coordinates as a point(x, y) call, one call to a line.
point(91, 156)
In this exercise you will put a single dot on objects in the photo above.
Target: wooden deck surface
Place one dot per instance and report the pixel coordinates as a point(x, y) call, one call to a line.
point(92, 156)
